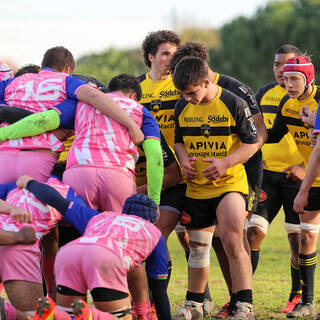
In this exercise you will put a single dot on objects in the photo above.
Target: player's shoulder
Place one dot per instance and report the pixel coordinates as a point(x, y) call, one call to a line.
point(142, 77)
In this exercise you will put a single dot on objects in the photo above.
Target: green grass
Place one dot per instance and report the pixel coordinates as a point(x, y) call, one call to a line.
point(271, 283)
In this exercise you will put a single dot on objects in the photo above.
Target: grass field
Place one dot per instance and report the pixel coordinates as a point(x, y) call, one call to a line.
point(271, 283)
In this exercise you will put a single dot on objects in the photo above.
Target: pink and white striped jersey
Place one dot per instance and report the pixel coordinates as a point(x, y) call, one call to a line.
point(45, 217)
point(102, 142)
point(36, 93)
point(133, 238)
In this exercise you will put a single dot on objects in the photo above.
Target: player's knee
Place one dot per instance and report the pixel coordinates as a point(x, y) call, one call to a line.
point(200, 243)
point(309, 227)
point(291, 228)
point(259, 222)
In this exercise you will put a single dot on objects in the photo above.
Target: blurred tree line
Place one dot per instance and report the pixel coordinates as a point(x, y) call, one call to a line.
point(243, 48)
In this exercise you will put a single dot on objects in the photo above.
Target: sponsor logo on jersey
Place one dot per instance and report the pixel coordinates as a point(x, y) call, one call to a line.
point(273, 99)
point(193, 119)
point(147, 96)
point(292, 111)
point(207, 145)
point(205, 130)
point(217, 119)
point(185, 218)
point(168, 93)
point(263, 196)
point(155, 105)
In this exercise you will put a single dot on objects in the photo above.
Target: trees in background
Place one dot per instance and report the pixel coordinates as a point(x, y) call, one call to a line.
point(243, 48)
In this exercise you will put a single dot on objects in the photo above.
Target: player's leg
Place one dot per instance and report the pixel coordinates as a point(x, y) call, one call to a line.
point(309, 225)
point(269, 204)
point(231, 213)
point(292, 227)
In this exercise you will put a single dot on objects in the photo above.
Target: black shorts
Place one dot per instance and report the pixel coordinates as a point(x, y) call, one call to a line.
point(277, 191)
point(254, 173)
point(173, 198)
point(313, 199)
point(201, 213)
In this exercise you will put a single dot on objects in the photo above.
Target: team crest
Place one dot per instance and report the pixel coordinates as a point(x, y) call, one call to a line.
point(155, 105)
point(263, 196)
point(185, 218)
point(205, 130)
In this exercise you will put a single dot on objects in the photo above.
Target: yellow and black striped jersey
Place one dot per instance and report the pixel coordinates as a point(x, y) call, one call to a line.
point(288, 120)
point(239, 89)
point(215, 130)
point(281, 155)
point(160, 97)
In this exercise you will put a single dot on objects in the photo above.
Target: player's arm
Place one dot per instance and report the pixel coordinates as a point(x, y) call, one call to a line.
point(106, 105)
point(311, 174)
point(185, 161)
point(157, 272)
point(71, 212)
point(26, 235)
point(153, 152)
point(62, 116)
point(12, 115)
point(279, 128)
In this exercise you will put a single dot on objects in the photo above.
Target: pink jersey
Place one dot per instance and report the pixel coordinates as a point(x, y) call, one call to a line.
point(131, 237)
point(36, 93)
point(102, 142)
point(45, 217)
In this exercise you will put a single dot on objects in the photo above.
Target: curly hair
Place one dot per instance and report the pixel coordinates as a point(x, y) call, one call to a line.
point(154, 39)
point(190, 48)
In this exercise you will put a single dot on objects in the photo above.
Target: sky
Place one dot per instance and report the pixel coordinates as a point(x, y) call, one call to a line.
point(29, 28)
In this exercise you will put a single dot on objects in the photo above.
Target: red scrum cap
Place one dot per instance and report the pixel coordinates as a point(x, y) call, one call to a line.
point(302, 65)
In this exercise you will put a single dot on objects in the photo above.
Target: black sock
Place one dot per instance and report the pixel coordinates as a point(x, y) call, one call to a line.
point(195, 296)
point(207, 295)
point(187, 255)
point(254, 259)
point(169, 271)
point(307, 265)
point(295, 281)
point(233, 301)
point(244, 296)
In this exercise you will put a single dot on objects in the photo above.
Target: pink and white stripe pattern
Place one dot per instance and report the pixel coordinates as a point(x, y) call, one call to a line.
point(45, 217)
point(102, 142)
point(131, 237)
point(36, 93)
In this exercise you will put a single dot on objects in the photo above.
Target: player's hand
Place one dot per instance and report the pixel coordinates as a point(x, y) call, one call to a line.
point(300, 202)
point(307, 116)
point(295, 173)
point(27, 235)
point(23, 181)
point(216, 168)
point(313, 138)
point(136, 134)
point(20, 215)
point(188, 170)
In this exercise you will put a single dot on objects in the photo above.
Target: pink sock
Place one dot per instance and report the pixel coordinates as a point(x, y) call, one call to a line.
point(60, 314)
point(100, 315)
point(10, 311)
point(143, 310)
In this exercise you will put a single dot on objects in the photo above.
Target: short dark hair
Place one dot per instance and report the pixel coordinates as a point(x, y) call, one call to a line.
point(153, 40)
point(189, 71)
point(289, 48)
point(127, 83)
point(58, 58)
point(28, 68)
point(92, 81)
point(190, 48)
